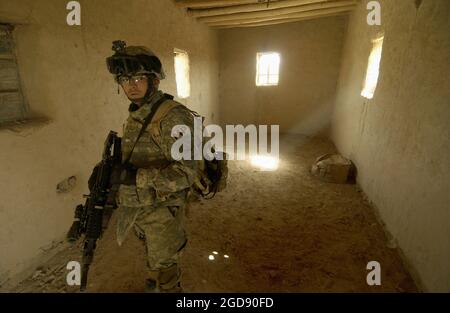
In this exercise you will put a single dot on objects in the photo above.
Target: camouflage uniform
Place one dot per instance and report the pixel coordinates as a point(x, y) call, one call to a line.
point(156, 205)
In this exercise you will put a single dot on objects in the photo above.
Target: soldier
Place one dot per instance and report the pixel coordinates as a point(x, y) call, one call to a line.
point(154, 189)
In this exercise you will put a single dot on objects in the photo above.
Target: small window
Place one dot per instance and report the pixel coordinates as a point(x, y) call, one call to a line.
point(182, 74)
point(267, 69)
point(373, 69)
point(11, 100)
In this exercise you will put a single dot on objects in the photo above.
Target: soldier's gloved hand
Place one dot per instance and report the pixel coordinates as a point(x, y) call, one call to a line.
point(123, 175)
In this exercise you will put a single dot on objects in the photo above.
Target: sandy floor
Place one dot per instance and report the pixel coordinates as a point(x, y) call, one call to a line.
point(283, 231)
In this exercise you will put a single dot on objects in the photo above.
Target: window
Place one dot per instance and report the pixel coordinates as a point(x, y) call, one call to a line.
point(267, 69)
point(182, 74)
point(373, 69)
point(11, 100)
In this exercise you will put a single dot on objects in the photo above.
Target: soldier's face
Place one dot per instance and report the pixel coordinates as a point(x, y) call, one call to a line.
point(135, 87)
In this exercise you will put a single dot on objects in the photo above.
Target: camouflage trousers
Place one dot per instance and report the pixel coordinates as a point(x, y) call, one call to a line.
point(160, 227)
point(163, 233)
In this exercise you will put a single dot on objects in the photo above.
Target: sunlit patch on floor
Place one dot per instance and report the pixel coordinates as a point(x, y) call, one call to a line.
point(264, 163)
point(212, 257)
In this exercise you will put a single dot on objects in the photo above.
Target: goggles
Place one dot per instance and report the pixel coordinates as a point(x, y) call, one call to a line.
point(120, 65)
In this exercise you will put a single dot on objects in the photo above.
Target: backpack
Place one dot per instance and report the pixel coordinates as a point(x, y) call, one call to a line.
point(212, 174)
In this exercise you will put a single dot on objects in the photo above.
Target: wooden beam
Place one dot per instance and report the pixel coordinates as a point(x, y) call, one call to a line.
point(298, 15)
point(198, 4)
point(272, 13)
point(250, 7)
point(281, 21)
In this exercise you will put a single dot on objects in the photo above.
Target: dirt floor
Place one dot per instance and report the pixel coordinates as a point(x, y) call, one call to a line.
point(283, 231)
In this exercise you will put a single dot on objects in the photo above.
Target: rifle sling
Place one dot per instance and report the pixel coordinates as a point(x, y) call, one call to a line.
point(147, 121)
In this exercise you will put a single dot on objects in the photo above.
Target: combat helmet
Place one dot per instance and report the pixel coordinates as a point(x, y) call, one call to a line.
point(134, 60)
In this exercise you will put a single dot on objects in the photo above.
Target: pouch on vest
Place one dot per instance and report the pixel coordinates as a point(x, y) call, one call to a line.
point(212, 174)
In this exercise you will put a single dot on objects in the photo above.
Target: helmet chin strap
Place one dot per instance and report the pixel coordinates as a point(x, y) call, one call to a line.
point(150, 90)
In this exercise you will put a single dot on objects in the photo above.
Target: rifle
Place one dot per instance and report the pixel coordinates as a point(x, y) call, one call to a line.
point(92, 218)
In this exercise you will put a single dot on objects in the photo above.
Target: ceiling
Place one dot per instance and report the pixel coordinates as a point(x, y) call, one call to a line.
point(253, 13)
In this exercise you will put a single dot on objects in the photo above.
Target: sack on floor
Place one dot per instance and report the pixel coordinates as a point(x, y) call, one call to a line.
point(333, 168)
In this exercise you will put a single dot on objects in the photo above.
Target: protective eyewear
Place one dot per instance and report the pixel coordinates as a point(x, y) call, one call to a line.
point(128, 80)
